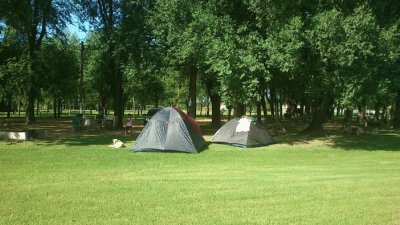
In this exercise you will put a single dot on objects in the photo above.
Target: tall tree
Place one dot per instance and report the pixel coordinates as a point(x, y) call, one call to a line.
point(390, 64)
point(12, 68)
point(105, 16)
point(388, 17)
point(34, 20)
point(179, 27)
point(61, 75)
point(141, 58)
point(285, 46)
point(325, 38)
point(96, 79)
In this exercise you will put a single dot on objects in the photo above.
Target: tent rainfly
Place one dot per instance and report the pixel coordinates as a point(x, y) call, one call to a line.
point(170, 129)
point(243, 132)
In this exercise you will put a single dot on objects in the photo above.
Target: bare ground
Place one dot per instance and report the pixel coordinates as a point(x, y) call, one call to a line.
point(59, 128)
point(284, 132)
point(62, 127)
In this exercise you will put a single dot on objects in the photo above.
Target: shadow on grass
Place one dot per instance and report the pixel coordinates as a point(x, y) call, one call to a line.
point(386, 141)
point(284, 132)
point(86, 140)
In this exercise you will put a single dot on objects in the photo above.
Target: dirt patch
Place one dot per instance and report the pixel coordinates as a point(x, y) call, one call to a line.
point(286, 131)
point(60, 128)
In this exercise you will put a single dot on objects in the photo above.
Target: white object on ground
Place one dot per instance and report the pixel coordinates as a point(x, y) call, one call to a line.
point(117, 144)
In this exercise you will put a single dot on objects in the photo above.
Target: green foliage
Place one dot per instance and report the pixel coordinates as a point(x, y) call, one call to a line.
point(175, 90)
point(346, 46)
point(60, 76)
point(175, 27)
point(389, 41)
point(143, 82)
point(28, 17)
point(361, 32)
point(13, 66)
point(97, 83)
point(297, 51)
point(12, 75)
point(360, 59)
point(284, 46)
point(33, 21)
point(325, 39)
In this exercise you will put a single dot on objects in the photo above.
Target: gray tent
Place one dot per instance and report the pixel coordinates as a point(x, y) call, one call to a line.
point(170, 129)
point(243, 132)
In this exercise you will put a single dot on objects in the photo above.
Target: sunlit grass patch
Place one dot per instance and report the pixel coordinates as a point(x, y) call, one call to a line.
point(79, 180)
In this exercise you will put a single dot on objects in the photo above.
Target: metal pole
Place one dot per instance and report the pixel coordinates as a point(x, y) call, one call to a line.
point(81, 82)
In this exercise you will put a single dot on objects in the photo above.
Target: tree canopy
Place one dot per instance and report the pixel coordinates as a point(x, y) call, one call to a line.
point(309, 56)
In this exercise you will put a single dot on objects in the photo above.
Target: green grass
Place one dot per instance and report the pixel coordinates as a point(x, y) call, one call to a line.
point(79, 180)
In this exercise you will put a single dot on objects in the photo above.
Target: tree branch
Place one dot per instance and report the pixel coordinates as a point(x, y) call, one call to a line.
point(103, 13)
point(44, 23)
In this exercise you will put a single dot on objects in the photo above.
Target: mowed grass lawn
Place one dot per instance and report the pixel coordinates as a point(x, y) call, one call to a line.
point(79, 180)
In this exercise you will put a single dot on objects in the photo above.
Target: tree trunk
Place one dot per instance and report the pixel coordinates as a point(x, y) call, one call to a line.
point(19, 108)
point(384, 114)
point(377, 113)
point(9, 107)
point(361, 114)
point(30, 107)
point(348, 114)
point(264, 108)
point(103, 107)
point(240, 109)
point(396, 119)
point(118, 113)
point(301, 111)
point(229, 112)
point(391, 112)
point(338, 110)
point(192, 90)
point(156, 99)
point(59, 107)
point(271, 101)
point(35, 34)
point(272, 107)
point(331, 112)
point(31, 90)
point(290, 109)
point(208, 108)
point(118, 94)
point(276, 109)
point(259, 103)
point(55, 107)
point(37, 107)
point(141, 108)
point(307, 109)
point(114, 73)
point(319, 116)
point(216, 112)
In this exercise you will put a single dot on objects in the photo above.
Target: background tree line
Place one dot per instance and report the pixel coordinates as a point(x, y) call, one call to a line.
point(313, 56)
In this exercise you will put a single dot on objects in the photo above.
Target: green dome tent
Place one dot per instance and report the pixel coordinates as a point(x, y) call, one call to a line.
point(170, 129)
point(243, 132)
